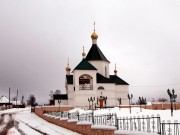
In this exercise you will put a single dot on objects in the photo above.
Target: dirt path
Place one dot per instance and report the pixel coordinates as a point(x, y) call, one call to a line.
point(2, 119)
point(8, 123)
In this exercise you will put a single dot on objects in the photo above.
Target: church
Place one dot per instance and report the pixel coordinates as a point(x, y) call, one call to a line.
point(90, 83)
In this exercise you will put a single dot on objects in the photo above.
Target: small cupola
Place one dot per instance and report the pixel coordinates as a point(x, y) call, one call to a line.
point(68, 68)
point(83, 53)
point(94, 36)
point(115, 70)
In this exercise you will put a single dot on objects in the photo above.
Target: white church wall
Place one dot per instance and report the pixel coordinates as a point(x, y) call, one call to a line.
point(122, 92)
point(78, 73)
point(109, 92)
point(81, 96)
point(100, 66)
point(70, 93)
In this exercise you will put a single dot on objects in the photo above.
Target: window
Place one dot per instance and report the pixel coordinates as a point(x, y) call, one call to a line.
point(105, 71)
point(100, 88)
point(85, 82)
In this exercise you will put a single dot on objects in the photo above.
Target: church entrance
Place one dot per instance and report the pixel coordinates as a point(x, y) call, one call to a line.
point(101, 103)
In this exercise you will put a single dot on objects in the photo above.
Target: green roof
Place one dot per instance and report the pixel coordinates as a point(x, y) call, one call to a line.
point(118, 80)
point(95, 54)
point(85, 65)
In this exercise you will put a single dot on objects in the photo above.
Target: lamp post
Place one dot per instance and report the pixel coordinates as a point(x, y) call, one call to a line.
point(145, 102)
point(172, 97)
point(59, 102)
point(105, 98)
point(119, 100)
point(89, 102)
point(130, 101)
point(140, 101)
point(91, 99)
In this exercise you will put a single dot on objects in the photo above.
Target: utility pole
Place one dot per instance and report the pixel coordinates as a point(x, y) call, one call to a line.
point(9, 96)
point(16, 97)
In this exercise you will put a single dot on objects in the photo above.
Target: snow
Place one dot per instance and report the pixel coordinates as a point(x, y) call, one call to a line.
point(123, 132)
point(80, 111)
point(84, 123)
point(73, 120)
point(31, 124)
point(63, 118)
point(103, 127)
point(4, 99)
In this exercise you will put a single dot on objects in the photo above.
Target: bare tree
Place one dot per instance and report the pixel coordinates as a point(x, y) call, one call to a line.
point(162, 100)
point(22, 100)
point(32, 100)
point(13, 99)
point(57, 92)
point(51, 94)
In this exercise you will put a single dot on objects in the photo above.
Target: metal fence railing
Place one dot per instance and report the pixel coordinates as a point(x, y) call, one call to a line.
point(149, 124)
point(146, 124)
point(86, 117)
point(108, 119)
point(170, 128)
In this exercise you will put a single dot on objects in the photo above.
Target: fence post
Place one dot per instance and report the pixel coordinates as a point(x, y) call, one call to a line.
point(159, 121)
point(116, 121)
point(93, 117)
point(78, 115)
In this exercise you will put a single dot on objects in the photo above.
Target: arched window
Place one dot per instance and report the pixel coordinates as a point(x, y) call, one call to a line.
point(100, 88)
point(85, 82)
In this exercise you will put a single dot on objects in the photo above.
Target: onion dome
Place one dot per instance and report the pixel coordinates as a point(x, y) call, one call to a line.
point(83, 53)
point(68, 68)
point(94, 35)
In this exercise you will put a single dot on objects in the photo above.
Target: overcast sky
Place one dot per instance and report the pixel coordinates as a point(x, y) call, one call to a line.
point(37, 37)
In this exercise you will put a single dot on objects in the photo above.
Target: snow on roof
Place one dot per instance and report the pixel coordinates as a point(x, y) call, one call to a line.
point(4, 99)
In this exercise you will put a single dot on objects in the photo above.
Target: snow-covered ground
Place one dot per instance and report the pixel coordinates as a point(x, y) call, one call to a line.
point(27, 123)
point(124, 112)
point(22, 121)
point(136, 113)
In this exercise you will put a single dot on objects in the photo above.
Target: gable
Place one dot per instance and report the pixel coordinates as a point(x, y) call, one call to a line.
point(85, 65)
point(95, 54)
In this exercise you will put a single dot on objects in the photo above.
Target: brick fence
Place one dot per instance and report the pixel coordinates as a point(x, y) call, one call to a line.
point(84, 129)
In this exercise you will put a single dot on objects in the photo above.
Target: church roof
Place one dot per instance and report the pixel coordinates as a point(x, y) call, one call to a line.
point(113, 79)
point(101, 79)
point(118, 80)
point(95, 54)
point(85, 65)
point(69, 79)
